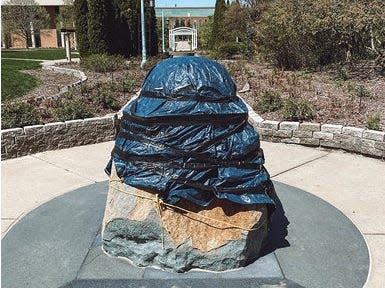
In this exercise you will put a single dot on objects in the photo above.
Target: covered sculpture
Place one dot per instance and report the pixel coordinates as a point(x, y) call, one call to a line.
point(188, 187)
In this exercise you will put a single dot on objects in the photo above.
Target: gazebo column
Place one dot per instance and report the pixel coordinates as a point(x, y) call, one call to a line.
point(183, 31)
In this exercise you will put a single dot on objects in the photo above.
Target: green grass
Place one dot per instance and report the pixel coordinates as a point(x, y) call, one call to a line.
point(42, 53)
point(15, 83)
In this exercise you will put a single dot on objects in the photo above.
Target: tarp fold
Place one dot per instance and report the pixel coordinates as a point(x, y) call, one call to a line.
point(187, 136)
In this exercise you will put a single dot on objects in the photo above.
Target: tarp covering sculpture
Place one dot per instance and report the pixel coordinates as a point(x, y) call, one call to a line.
point(187, 136)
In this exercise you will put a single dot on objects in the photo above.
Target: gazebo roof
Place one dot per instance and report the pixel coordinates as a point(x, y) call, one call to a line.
point(184, 11)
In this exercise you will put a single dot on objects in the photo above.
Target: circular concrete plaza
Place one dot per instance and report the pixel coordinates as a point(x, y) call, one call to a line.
point(312, 244)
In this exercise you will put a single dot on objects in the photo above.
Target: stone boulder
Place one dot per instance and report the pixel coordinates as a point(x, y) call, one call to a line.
point(141, 228)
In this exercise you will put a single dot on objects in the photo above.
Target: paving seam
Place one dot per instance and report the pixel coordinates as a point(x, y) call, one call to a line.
point(65, 169)
point(279, 265)
point(300, 165)
point(86, 256)
point(374, 234)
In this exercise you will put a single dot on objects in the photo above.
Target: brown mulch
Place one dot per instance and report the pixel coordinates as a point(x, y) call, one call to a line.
point(50, 83)
point(336, 101)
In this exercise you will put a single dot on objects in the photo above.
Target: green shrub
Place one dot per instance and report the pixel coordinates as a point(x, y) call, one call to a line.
point(103, 62)
point(343, 74)
point(18, 115)
point(268, 101)
point(380, 63)
point(106, 99)
point(228, 50)
point(236, 68)
point(151, 61)
point(69, 95)
point(110, 86)
point(128, 85)
point(308, 33)
point(73, 109)
point(296, 109)
point(362, 92)
point(86, 88)
point(373, 122)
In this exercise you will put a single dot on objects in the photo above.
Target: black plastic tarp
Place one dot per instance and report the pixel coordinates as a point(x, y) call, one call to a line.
point(187, 135)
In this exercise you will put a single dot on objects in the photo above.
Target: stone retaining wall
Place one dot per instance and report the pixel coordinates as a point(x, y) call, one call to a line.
point(38, 138)
point(352, 139)
point(50, 65)
point(18, 142)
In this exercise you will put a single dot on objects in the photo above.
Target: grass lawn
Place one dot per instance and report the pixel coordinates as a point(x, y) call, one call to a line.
point(15, 83)
point(42, 53)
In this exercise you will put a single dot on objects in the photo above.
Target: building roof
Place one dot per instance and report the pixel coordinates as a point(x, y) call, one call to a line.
point(43, 2)
point(184, 11)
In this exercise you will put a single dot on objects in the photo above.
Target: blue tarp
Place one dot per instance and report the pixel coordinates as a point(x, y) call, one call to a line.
point(187, 135)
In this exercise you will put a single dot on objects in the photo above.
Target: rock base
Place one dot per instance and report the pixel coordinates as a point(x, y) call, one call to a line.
point(220, 237)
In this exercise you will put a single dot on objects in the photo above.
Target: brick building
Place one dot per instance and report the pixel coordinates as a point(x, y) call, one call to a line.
point(51, 37)
point(45, 38)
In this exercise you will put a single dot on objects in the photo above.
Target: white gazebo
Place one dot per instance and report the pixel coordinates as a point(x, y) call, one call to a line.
point(183, 45)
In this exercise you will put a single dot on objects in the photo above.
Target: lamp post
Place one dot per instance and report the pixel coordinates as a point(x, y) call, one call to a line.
point(144, 50)
point(163, 49)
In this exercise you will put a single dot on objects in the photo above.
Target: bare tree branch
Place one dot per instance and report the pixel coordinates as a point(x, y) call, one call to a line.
point(19, 15)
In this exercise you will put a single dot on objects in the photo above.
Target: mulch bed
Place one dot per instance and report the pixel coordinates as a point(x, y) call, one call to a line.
point(336, 100)
point(50, 83)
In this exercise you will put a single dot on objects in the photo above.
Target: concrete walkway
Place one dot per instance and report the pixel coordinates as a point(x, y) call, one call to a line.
point(354, 184)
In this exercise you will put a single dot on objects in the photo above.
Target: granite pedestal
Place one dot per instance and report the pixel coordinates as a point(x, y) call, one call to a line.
point(312, 244)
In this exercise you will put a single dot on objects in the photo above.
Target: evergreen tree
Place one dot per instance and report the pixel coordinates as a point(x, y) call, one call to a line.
point(235, 21)
point(81, 26)
point(100, 26)
point(218, 29)
point(204, 35)
point(134, 23)
point(113, 27)
point(150, 29)
point(127, 25)
point(121, 32)
point(151, 33)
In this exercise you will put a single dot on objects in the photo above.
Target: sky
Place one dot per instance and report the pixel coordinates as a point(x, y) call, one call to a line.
point(185, 3)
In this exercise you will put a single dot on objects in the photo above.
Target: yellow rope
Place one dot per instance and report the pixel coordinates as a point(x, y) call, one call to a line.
point(160, 204)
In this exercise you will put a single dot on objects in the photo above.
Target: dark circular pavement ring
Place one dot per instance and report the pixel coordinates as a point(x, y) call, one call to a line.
point(58, 245)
